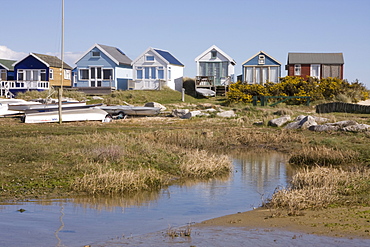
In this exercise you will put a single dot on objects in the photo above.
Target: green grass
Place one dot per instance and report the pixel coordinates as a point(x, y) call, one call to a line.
point(59, 159)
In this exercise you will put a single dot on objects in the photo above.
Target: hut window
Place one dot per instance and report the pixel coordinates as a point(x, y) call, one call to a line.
point(96, 53)
point(107, 74)
point(261, 59)
point(84, 74)
point(213, 54)
point(297, 69)
point(149, 58)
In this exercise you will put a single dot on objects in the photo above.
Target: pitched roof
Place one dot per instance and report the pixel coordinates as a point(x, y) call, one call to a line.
point(315, 58)
point(8, 64)
point(52, 61)
point(246, 61)
point(117, 54)
point(213, 47)
point(169, 57)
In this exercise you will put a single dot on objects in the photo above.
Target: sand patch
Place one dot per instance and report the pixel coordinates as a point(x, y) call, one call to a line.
point(337, 222)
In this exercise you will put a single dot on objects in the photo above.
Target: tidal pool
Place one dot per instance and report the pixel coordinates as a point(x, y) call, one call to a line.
point(91, 220)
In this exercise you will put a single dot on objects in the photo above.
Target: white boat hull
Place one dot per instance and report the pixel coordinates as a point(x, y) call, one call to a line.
point(5, 106)
point(37, 105)
point(131, 110)
point(89, 114)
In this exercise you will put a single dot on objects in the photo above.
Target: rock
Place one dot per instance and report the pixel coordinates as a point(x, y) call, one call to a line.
point(210, 110)
point(320, 119)
point(307, 122)
point(179, 112)
point(155, 104)
point(230, 113)
point(345, 123)
point(293, 125)
point(357, 128)
point(194, 114)
point(277, 122)
point(324, 127)
point(299, 118)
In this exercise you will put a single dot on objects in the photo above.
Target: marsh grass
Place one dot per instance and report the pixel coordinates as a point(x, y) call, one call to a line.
point(202, 164)
point(323, 156)
point(322, 187)
point(105, 180)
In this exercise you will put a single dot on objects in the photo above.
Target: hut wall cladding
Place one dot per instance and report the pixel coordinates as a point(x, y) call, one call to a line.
point(342, 107)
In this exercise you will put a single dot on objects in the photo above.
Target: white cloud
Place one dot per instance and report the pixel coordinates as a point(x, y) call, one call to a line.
point(69, 57)
point(6, 53)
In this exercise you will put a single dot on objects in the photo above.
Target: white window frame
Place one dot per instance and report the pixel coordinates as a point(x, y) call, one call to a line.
point(51, 74)
point(67, 74)
point(80, 77)
point(111, 76)
point(149, 60)
point(297, 69)
point(318, 66)
point(94, 54)
point(261, 59)
point(142, 73)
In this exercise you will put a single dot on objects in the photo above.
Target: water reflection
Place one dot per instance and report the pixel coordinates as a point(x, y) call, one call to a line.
point(84, 220)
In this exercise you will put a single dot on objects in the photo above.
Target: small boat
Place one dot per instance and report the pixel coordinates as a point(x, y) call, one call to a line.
point(88, 114)
point(55, 107)
point(123, 110)
point(5, 103)
point(38, 105)
point(205, 92)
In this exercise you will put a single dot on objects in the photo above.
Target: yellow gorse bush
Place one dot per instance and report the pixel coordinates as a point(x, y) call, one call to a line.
point(324, 89)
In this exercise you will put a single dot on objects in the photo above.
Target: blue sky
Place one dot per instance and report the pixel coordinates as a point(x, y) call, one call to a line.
point(241, 28)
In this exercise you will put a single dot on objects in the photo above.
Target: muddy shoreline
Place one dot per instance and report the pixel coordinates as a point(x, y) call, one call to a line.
point(351, 222)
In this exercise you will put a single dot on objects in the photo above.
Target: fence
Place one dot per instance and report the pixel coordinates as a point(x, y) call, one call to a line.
point(342, 107)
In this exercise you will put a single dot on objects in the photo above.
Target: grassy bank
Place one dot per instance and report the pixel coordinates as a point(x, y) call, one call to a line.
point(148, 153)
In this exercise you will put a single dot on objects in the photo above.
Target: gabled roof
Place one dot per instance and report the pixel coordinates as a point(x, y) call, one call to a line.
point(167, 57)
point(246, 61)
point(115, 54)
point(213, 47)
point(49, 61)
point(7, 64)
point(315, 58)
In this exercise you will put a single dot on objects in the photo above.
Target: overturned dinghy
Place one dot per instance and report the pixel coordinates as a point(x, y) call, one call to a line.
point(89, 114)
point(205, 92)
point(122, 110)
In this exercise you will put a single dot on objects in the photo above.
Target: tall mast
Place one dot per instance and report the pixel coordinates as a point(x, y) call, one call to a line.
point(62, 69)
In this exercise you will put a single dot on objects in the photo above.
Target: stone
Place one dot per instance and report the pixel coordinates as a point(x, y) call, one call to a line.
point(324, 127)
point(226, 114)
point(293, 125)
point(193, 114)
point(307, 122)
point(179, 112)
point(345, 123)
point(277, 122)
point(357, 128)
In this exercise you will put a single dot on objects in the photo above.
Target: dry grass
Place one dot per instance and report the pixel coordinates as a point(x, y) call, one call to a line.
point(202, 164)
point(323, 156)
point(104, 180)
point(322, 187)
